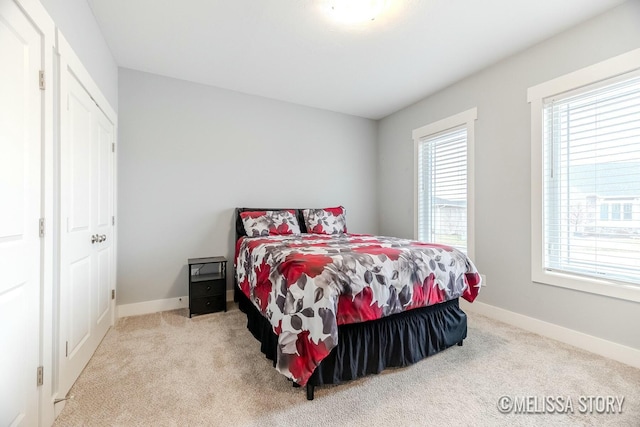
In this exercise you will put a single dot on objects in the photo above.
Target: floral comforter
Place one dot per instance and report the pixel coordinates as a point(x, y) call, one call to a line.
point(307, 285)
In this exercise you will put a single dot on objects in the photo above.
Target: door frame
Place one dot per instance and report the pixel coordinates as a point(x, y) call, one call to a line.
point(36, 13)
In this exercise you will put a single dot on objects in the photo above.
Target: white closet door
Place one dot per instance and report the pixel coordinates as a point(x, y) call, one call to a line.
point(86, 266)
point(103, 189)
point(20, 210)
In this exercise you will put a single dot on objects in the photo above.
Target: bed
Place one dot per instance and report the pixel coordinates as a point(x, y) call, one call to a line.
point(328, 306)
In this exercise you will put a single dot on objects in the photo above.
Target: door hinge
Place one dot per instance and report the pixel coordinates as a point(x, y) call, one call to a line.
point(113, 294)
point(113, 147)
point(41, 227)
point(113, 220)
point(41, 79)
point(66, 349)
point(40, 375)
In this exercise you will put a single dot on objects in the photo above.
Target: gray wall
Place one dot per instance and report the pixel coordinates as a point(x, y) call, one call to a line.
point(189, 154)
point(503, 196)
point(75, 20)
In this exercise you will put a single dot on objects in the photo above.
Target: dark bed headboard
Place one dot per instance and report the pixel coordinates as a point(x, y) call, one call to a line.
point(240, 226)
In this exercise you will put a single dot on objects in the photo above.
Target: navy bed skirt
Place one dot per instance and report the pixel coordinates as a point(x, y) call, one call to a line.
point(370, 347)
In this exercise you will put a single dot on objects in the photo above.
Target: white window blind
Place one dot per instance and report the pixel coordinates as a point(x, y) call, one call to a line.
point(442, 188)
point(591, 180)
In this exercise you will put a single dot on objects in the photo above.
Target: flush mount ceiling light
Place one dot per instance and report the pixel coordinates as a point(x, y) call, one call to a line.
point(355, 11)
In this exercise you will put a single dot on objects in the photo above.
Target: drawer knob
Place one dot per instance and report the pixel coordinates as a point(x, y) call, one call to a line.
point(208, 303)
point(208, 288)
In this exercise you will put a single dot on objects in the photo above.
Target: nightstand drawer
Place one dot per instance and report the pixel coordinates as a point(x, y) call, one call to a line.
point(208, 304)
point(207, 284)
point(208, 288)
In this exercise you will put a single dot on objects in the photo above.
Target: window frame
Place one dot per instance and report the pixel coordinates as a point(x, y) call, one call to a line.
point(464, 119)
point(616, 212)
point(610, 68)
point(604, 211)
point(627, 211)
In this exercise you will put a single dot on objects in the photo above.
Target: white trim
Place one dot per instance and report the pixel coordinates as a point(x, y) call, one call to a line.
point(39, 16)
point(148, 307)
point(466, 118)
point(590, 285)
point(471, 186)
point(114, 270)
point(415, 189)
point(77, 68)
point(609, 68)
point(58, 408)
point(624, 354)
point(446, 123)
point(42, 22)
point(50, 249)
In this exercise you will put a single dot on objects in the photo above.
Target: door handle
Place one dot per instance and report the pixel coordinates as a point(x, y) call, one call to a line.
point(99, 238)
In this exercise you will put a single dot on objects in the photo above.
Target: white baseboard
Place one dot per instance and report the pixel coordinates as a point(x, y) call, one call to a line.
point(147, 307)
point(627, 355)
point(58, 407)
point(154, 306)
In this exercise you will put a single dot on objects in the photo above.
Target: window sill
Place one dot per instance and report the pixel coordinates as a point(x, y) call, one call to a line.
point(607, 288)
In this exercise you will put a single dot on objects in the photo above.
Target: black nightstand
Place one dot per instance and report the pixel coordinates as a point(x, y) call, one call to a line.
point(207, 285)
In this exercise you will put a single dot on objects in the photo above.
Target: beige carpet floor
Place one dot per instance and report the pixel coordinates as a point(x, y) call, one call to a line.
point(165, 369)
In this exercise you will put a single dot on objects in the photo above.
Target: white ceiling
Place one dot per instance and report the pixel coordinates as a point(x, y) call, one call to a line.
point(290, 50)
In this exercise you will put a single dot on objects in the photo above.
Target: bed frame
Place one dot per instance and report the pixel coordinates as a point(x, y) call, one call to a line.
point(394, 341)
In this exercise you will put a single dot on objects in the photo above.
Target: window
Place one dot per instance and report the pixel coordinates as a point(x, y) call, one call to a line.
point(444, 184)
point(604, 212)
point(585, 169)
point(615, 211)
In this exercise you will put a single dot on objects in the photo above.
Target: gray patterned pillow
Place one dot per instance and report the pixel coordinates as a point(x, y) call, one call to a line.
point(265, 223)
point(325, 221)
